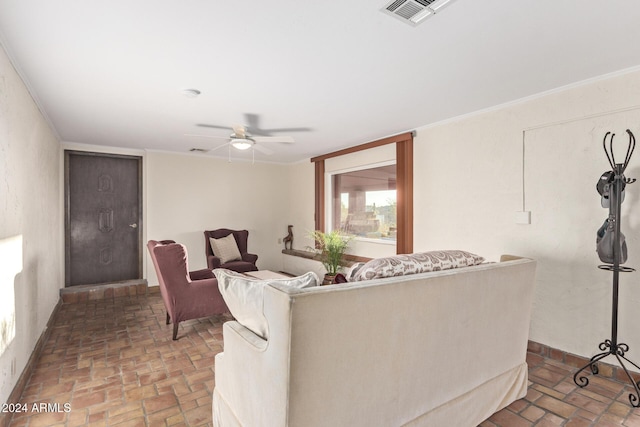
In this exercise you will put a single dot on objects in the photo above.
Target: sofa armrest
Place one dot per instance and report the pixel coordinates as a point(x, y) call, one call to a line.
point(234, 331)
point(204, 273)
point(213, 262)
point(252, 258)
point(507, 257)
point(252, 374)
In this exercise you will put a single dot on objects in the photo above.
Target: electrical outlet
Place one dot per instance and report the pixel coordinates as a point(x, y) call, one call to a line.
point(280, 240)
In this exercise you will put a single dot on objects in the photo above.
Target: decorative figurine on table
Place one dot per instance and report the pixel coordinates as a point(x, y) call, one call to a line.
point(288, 240)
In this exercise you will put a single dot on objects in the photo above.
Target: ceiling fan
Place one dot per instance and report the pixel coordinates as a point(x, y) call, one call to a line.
point(242, 139)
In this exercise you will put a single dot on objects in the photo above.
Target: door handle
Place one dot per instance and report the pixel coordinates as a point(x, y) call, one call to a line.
point(134, 225)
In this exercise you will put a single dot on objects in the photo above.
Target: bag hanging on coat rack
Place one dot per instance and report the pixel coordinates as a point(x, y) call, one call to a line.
point(605, 241)
point(607, 188)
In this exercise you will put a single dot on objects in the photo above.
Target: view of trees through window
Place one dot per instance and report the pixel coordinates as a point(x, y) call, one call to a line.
point(364, 202)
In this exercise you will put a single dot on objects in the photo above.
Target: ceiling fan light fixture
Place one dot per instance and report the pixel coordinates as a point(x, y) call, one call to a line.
point(241, 143)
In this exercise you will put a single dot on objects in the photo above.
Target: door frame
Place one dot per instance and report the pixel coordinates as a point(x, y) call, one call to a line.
point(67, 219)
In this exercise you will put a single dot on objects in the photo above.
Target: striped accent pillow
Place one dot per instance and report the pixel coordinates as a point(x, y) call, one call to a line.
point(422, 262)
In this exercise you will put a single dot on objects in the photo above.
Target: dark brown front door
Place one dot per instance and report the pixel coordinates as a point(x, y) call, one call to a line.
point(103, 211)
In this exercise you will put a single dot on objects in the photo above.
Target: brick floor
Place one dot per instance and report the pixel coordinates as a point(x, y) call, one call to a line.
point(114, 363)
point(554, 400)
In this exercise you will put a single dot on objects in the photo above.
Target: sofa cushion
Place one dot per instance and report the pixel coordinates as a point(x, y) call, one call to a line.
point(400, 265)
point(244, 296)
point(225, 248)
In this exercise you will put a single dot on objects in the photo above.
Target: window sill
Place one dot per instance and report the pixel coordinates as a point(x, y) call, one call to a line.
point(388, 242)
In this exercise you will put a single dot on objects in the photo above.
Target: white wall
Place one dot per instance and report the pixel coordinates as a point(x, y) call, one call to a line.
point(187, 194)
point(468, 178)
point(301, 203)
point(472, 175)
point(31, 240)
point(300, 214)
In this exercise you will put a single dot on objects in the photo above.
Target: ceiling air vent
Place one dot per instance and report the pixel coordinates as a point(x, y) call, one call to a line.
point(199, 150)
point(414, 11)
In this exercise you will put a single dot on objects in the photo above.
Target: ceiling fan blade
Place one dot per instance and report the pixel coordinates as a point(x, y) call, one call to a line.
point(263, 150)
point(282, 139)
point(203, 125)
point(205, 136)
point(219, 146)
point(286, 130)
point(253, 121)
point(207, 150)
point(253, 124)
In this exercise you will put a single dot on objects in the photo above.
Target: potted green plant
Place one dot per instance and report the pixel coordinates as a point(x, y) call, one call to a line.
point(331, 247)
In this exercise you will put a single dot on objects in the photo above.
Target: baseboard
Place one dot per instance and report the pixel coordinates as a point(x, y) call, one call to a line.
point(85, 293)
point(79, 294)
point(18, 389)
point(604, 369)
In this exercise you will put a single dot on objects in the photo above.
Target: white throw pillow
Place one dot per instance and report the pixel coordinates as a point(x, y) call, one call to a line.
point(225, 248)
point(244, 296)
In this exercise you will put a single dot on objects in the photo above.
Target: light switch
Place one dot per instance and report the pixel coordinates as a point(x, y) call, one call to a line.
point(523, 217)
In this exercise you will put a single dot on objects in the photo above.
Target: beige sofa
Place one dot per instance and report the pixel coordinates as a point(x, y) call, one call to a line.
point(444, 348)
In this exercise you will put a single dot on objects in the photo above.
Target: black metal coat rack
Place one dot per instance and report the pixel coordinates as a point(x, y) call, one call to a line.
point(616, 185)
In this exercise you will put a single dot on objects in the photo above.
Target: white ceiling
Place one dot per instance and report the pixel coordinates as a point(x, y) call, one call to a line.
point(111, 72)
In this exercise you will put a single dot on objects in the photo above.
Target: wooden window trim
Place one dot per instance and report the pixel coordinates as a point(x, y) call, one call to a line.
point(404, 173)
point(404, 192)
point(319, 197)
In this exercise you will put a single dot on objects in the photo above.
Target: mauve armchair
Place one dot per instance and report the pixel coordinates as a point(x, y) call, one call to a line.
point(248, 261)
point(204, 273)
point(185, 295)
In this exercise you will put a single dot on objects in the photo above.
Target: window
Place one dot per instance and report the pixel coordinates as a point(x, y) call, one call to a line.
point(404, 182)
point(364, 202)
